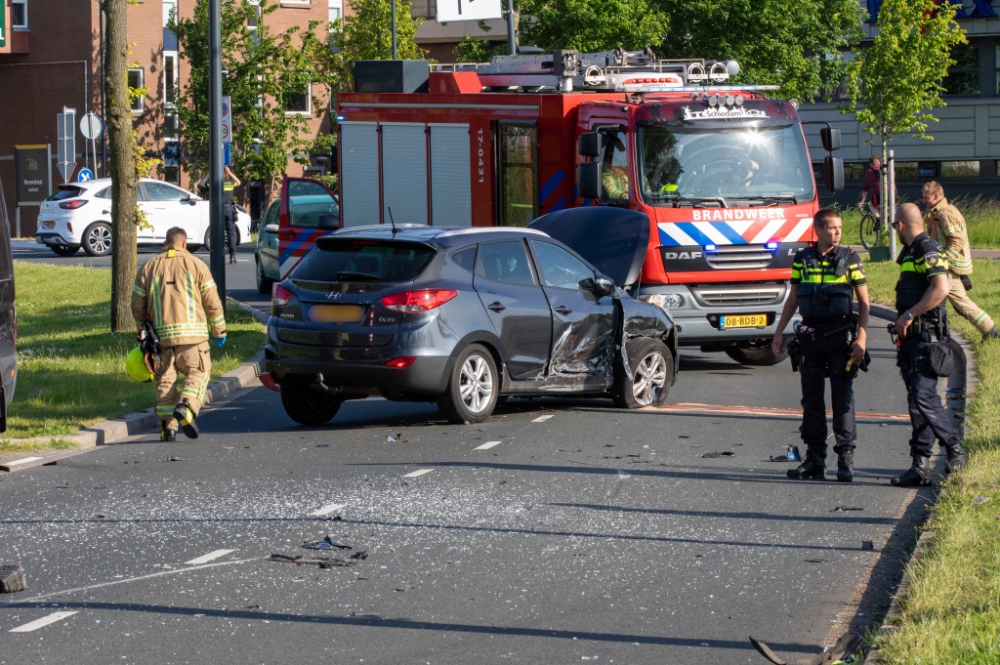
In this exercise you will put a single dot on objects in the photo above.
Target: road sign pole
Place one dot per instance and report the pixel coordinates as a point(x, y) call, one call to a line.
point(511, 44)
point(217, 229)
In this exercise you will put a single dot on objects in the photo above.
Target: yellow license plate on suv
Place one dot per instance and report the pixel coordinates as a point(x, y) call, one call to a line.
point(336, 313)
point(745, 321)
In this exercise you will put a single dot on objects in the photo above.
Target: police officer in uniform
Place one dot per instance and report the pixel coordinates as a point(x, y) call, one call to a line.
point(229, 184)
point(829, 344)
point(920, 295)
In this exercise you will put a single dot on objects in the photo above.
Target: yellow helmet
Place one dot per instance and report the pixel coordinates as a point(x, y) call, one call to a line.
point(135, 365)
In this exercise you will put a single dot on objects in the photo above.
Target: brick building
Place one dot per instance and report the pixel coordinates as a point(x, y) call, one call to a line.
point(52, 59)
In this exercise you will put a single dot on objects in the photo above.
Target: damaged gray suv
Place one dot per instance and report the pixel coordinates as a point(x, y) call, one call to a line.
point(465, 317)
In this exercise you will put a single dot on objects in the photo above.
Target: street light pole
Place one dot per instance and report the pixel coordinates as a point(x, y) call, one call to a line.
point(395, 52)
point(511, 45)
point(217, 232)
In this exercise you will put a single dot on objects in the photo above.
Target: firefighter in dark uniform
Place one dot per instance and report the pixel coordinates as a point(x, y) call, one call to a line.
point(229, 184)
point(920, 295)
point(829, 344)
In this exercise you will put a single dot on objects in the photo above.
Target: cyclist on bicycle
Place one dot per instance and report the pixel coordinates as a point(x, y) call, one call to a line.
point(872, 183)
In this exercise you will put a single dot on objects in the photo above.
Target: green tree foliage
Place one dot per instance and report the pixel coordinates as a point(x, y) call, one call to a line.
point(365, 35)
point(894, 84)
point(265, 70)
point(796, 44)
point(592, 25)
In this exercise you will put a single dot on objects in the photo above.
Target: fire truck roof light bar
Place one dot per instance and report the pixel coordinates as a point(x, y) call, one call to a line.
point(617, 70)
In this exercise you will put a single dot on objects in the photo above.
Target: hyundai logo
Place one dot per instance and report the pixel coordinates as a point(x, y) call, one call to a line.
point(333, 295)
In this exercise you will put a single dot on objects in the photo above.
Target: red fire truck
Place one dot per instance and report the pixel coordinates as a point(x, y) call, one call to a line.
point(722, 172)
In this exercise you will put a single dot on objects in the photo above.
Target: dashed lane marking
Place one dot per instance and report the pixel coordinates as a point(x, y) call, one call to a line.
point(542, 419)
point(41, 623)
point(208, 557)
point(326, 510)
point(418, 472)
point(487, 445)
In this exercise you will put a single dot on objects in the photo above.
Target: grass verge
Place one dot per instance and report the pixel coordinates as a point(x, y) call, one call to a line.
point(952, 612)
point(71, 368)
point(982, 218)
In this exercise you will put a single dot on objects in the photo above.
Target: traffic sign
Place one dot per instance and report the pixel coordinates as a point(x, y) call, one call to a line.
point(66, 142)
point(91, 126)
point(468, 10)
point(227, 121)
point(84, 175)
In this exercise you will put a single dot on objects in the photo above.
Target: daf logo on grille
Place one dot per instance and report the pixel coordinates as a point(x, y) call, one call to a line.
point(333, 295)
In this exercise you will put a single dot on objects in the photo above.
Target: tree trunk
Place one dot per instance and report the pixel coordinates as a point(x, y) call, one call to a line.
point(124, 180)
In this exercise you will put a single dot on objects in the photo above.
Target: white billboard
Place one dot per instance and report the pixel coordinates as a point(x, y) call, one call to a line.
point(468, 10)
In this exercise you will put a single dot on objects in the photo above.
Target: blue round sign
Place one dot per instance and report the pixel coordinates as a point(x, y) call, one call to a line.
point(84, 175)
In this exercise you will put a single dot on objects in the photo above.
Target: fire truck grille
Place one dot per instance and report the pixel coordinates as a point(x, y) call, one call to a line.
point(739, 257)
point(730, 297)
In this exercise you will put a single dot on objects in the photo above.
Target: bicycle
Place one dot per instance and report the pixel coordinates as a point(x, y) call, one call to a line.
point(872, 229)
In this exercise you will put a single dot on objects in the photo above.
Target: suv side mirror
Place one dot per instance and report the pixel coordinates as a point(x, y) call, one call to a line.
point(588, 180)
point(589, 144)
point(603, 286)
point(830, 138)
point(833, 173)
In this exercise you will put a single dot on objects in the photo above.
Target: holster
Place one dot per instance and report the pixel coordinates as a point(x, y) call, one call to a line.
point(795, 353)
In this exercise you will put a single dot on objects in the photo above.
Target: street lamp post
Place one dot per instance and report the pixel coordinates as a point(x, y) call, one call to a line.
point(395, 51)
point(216, 226)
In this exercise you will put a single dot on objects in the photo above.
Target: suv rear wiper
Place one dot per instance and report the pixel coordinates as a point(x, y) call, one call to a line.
point(348, 276)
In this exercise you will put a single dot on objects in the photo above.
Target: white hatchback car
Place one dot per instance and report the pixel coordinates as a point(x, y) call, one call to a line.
point(79, 215)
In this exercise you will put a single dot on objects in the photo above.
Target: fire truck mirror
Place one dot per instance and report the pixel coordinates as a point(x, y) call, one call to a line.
point(830, 138)
point(588, 180)
point(833, 173)
point(589, 144)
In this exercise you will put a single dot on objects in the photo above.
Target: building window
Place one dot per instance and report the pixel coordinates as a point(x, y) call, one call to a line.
point(171, 125)
point(960, 169)
point(916, 170)
point(19, 14)
point(169, 9)
point(963, 76)
point(854, 170)
point(299, 102)
point(135, 81)
point(336, 10)
point(170, 79)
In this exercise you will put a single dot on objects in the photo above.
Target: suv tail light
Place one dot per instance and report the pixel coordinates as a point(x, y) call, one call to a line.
point(415, 302)
point(73, 205)
point(280, 296)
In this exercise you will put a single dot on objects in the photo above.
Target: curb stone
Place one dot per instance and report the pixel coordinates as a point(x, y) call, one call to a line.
point(119, 429)
point(963, 352)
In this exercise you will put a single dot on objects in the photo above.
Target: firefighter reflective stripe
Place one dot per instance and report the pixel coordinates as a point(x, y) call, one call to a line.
point(210, 284)
point(138, 290)
point(198, 393)
point(215, 323)
point(157, 293)
point(190, 294)
point(165, 412)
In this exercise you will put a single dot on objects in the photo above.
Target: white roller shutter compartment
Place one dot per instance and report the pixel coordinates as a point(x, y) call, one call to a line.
point(404, 173)
point(359, 173)
point(451, 180)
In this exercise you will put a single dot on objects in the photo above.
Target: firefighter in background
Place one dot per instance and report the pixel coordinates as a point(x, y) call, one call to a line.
point(229, 184)
point(614, 170)
point(946, 225)
point(920, 295)
point(829, 344)
point(177, 293)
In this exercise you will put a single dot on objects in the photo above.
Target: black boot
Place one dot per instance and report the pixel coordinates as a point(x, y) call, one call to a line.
point(956, 458)
point(167, 435)
point(991, 334)
point(918, 475)
point(845, 465)
point(185, 416)
point(813, 468)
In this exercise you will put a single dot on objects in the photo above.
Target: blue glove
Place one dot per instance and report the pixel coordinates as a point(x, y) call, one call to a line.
point(219, 342)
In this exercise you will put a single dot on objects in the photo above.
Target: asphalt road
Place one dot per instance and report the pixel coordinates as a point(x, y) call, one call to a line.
point(559, 531)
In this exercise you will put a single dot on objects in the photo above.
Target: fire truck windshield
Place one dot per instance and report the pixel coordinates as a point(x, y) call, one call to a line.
point(739, 166)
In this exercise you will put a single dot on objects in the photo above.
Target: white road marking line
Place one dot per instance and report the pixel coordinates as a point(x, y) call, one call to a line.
point(487, 445)
point(23, 460)
point(208, 557)
point(41, 623)
point(542, 419)
point(326, 510)
point(176, 571)
point(418, 472)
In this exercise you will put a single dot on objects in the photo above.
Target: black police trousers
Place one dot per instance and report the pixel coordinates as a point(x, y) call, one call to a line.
point(823, 358)
point(230, 228)
point(928, 417)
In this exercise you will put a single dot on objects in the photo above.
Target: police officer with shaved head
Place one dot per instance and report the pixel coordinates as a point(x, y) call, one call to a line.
point(829, 344)
point(920, 294)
